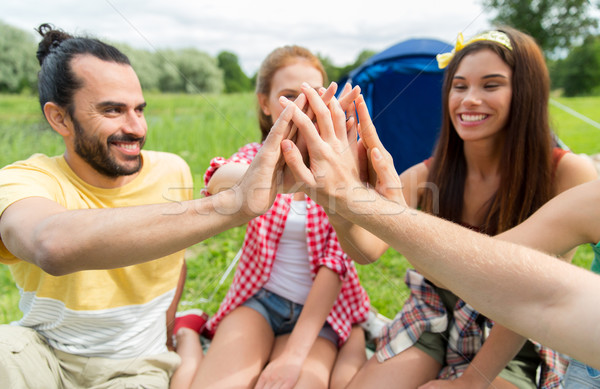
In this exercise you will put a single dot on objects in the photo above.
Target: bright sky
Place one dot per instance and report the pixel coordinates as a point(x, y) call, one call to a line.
point(251, 29)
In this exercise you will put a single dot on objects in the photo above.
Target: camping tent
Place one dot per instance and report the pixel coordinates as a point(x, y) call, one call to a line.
point(402, 88)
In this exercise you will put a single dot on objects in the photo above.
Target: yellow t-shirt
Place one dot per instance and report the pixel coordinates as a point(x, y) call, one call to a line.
point(118, 313)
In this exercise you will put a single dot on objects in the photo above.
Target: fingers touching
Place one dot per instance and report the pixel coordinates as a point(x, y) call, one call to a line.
point(388, 183)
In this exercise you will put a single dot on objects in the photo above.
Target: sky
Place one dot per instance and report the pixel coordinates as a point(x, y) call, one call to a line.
point(339, 30)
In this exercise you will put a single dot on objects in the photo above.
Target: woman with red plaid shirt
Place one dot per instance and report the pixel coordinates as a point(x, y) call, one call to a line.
point(295, 295)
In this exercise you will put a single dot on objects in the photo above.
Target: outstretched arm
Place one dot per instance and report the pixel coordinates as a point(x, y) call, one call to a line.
point(62, 241)
point(362, 246)
point(557, 236)
point(228, 175)
point(530, 293)
point(566, 221)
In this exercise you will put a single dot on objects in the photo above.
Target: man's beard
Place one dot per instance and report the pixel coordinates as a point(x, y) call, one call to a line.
point(97, 154)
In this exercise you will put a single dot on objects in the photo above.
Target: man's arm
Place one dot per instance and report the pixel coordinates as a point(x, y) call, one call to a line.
point(553, 227)
point(362, 246)
point(566, 221)
point(529, 292)
point(62, 241)
point(226, 177)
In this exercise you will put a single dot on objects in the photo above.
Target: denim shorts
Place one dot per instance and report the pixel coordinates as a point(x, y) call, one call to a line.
point(282, 314)
point(581, 376)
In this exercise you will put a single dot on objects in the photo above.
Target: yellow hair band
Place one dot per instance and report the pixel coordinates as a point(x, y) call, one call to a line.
point(494, 36)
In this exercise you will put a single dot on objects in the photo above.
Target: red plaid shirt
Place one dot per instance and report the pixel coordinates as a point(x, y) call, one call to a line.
point(260, 246)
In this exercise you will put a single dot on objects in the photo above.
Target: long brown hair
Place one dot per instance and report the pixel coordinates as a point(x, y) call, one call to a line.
point(277, 59)
point(526, 159)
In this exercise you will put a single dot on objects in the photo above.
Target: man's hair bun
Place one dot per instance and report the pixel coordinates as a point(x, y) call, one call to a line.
point(51, 40)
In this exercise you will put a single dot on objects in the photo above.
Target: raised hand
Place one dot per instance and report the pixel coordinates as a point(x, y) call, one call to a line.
point(335, 165)
point(376, 164)
point(332, 164)
point(256, 192)
point(369, 140)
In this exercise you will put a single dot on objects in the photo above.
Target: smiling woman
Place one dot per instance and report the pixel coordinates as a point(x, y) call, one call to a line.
point(480, 97)
point(494, 165)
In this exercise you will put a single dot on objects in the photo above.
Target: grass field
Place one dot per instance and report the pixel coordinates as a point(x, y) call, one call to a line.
point(201, 127)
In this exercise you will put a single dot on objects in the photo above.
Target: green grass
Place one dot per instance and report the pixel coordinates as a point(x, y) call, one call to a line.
point(580, 136)
point(201, 127)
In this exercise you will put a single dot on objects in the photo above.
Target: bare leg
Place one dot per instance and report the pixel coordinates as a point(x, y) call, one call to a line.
point(351, 357)
point(190, 351)
point(501, 383)
point(409, 369)
point(238, 352)
point(316, 370)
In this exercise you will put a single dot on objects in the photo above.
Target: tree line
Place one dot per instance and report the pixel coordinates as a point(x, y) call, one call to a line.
point(179, 71)
point(566, 30)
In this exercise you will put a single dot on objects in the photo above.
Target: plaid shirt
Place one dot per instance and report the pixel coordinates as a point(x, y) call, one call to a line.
point(425, 312)
point(260, 246)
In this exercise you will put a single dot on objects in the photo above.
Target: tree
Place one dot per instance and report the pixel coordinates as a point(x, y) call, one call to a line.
point(18, 64)
point(234, 77)
point(332, 71)
point(554, 24)
point(336, 73)
point(190, 71)
point(579, 73)
point(146, 65)
point(362, 57)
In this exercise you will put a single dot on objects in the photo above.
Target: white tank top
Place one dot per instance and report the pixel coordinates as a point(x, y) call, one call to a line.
point(290, 277)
